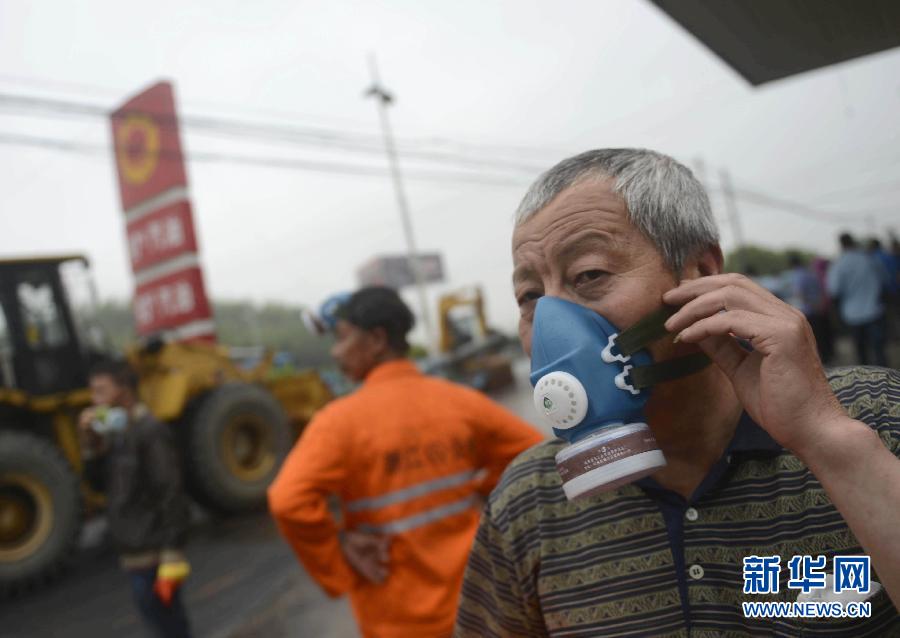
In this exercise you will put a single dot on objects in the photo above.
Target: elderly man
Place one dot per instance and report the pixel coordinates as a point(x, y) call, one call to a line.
point(767, 456)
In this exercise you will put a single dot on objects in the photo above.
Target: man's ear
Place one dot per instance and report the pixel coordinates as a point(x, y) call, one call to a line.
point(379, 338)
point(710, 261)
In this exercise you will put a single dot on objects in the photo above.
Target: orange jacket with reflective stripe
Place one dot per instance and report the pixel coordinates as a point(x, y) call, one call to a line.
point(409, 456)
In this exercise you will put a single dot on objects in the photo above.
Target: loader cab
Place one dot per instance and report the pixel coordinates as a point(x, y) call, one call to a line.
point(462, 320)
point(48, 335)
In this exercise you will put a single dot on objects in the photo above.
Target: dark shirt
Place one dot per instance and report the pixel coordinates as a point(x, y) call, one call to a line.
point(749, 440)
point(147, 509)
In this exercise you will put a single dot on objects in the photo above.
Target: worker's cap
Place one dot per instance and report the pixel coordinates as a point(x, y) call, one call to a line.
point(331, 307)
point(379, 307)
point(325, 320)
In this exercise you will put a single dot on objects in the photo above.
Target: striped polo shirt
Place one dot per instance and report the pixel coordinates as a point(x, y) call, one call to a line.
point(620, 564)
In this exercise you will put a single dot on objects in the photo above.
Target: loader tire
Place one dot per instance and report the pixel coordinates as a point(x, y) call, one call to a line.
point(40, 511)
point(237, 440)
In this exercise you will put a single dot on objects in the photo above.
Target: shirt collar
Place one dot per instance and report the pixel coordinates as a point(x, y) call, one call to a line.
point(391, 370)
point(750, 437)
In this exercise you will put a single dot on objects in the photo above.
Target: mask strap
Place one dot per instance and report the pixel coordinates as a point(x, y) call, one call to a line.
point(645, 331)
point(646, 376)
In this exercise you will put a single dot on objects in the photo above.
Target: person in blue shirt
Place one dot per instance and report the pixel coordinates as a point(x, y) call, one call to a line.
point(891, 263)
point(858, 281)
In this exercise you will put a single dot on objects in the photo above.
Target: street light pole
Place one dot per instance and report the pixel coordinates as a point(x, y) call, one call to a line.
point(734, 217)
point(384, 99)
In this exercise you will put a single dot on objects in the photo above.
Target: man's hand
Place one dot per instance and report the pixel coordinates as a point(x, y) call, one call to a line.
point(368, 554)
point(782, 386)
point(780, 383)
point(86, 418)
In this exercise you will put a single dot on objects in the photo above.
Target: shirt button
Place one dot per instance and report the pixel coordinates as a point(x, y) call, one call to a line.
point(695, 572)
point(691, 514)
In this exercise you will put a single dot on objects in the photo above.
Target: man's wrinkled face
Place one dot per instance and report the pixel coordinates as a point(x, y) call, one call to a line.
point(582, 248)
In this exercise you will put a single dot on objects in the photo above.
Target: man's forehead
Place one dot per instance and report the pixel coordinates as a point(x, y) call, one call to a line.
point(590, 195)
point(589, 211)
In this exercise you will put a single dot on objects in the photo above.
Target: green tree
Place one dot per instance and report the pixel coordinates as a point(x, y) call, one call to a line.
point(758, 260)
point(238, 323)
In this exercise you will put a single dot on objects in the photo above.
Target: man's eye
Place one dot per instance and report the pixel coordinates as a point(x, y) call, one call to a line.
point(588, 276)
point(528, 297)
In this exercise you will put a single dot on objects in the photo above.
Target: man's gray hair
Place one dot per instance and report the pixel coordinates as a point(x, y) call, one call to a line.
point(664, 199)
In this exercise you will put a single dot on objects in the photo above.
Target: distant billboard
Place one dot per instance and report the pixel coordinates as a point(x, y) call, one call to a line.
point(170, 295)
point(395, 271)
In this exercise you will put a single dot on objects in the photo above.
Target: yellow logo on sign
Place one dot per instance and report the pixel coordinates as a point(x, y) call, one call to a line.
point(137, 148)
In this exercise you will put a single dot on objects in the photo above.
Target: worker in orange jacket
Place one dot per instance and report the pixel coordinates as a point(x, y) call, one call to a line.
point(411, 457)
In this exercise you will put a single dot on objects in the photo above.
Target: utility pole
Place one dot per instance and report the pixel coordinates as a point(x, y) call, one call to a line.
point(384, 100)
point(733, 216)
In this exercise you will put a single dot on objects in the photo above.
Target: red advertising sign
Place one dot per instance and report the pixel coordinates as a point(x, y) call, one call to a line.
point(176, 300)
point(160, 235)
point(147, 145)
point(170, 296)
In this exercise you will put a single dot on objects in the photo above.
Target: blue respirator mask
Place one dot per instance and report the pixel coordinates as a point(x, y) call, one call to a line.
point(591, 383)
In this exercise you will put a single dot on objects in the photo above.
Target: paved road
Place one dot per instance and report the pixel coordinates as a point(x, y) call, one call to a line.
point(240, 567)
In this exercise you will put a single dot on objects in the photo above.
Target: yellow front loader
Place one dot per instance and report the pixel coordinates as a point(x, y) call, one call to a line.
point(470, 351)
point(235, 426)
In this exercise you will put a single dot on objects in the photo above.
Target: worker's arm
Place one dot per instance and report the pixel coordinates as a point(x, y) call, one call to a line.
point(313, 470)
point(500, 436)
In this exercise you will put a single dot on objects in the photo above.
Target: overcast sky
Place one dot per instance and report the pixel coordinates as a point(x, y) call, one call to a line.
point(509, 82)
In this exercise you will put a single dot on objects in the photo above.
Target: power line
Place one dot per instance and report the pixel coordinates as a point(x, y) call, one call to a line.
point(14, 139)
point(334, 139)
point(516, 150)
point(864, 190)
point(801, 210)
point(745, 194)
point(310, 136)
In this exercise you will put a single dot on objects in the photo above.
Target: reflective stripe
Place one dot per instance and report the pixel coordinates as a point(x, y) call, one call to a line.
point(422, 518)
point(413, 491)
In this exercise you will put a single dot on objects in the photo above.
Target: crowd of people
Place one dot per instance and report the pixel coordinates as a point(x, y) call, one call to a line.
point(858, 293)
point(452, 517)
